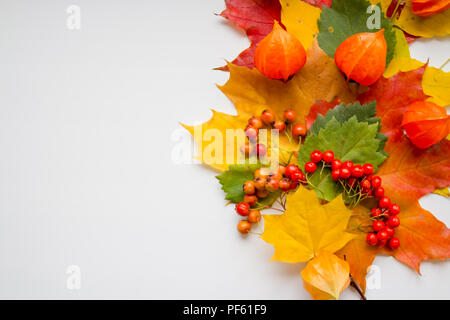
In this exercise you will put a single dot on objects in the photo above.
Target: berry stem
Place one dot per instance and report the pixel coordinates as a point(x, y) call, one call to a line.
point(288, 135)
point(312, 185)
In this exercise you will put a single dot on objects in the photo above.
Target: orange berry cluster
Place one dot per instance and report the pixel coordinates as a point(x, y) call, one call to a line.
point(268, 119)
point(266, 181)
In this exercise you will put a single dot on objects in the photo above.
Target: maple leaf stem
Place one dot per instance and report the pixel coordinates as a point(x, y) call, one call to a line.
point(445, 63)
point(355, 284)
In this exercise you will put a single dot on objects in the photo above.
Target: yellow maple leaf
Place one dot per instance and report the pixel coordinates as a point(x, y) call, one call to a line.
point(402, 64)
point(443, 192)
point(307, 227)
point(251, 93)
point(304, 28)
point(436, 83)
point(401, 46)
point(326, 276)
point(437, 25)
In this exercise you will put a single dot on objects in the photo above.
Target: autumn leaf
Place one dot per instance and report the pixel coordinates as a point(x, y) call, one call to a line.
point(342, 112)
point(256, 17)
point(300, 19)
point(410, 171)
point(211, 140)
point(437, 25)
point(319, 107)
point(407, 175)
point(443, 192)
point(401, 45)
point(307, 227)
point(326, 276)
point(393, 95)
point(319, 3)
point(401, 64)
point(357, 252)
point(233, 179)
point(251, 93)
point(359, 255)
point(345, 19)
point(435, 82)
point(421, 235)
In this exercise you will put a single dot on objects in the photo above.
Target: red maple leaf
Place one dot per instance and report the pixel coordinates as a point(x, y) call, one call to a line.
point(256, 17)
point(319, 3)
point(393, 96)
point(319, 107)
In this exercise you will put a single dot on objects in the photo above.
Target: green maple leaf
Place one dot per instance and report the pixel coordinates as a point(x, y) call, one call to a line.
point(342, 113)
point(233, 179)
point(346, 18)
point(350, 140)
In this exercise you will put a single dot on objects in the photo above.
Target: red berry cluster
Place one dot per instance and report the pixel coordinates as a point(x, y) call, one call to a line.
point(284, 178)
point(316, 158)
point(359, 184)
point(385, 219)
point(268, 119)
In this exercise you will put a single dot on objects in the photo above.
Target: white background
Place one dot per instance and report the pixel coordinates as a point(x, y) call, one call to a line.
point(87, 121)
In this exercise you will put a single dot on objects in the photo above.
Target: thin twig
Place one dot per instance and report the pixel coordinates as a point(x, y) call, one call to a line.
point(357, 288)
point(355, 285)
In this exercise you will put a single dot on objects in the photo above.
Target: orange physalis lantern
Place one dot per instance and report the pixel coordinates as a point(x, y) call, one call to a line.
point(279, 55)
point(425, 123)
point(427, 8)
point(362, 57)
